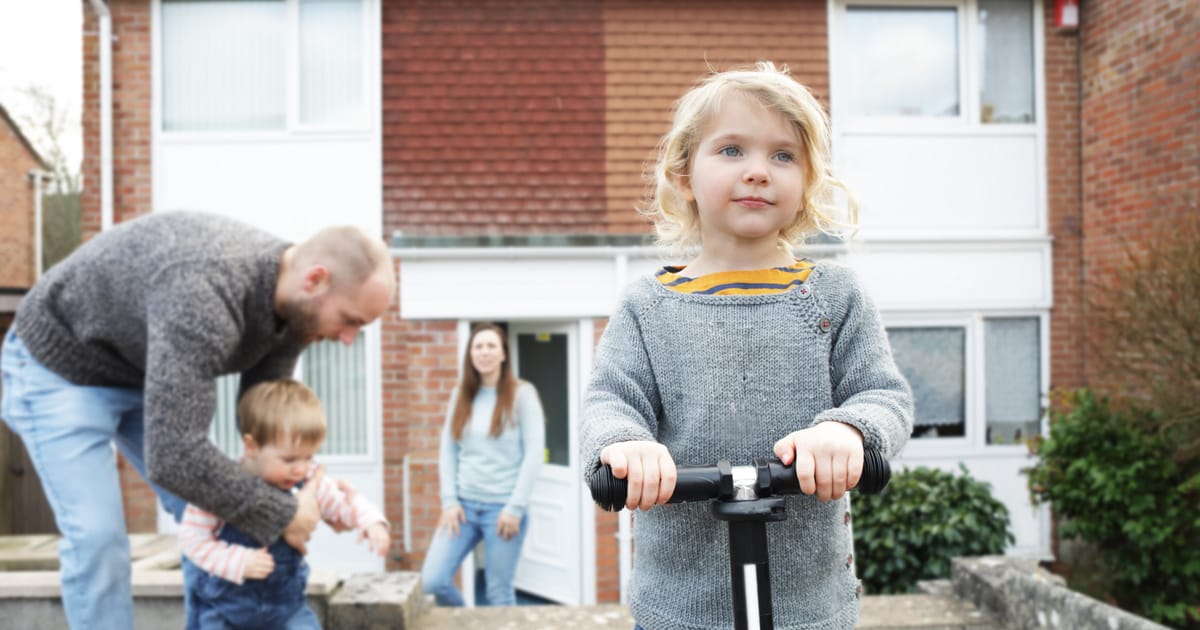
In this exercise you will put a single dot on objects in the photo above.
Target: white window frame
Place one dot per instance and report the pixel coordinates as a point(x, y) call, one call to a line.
point(967, 121)
point(974, 438)
point(293, 128)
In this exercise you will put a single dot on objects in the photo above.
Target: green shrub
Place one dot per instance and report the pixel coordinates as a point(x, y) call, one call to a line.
point(925, 517)
point(1121, 492)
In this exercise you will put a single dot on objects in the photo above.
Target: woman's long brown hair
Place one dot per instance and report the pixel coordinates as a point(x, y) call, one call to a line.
point(468, 386)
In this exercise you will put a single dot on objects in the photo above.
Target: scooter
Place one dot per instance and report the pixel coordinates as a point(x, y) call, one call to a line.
point(747, 497)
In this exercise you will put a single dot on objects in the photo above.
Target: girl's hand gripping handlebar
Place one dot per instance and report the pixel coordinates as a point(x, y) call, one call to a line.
point(763, 478)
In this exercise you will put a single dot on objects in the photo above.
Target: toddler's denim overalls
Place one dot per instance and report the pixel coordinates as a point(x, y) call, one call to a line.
point(275, 602)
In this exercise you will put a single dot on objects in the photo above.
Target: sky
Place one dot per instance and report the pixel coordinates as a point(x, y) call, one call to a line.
point(40, 44)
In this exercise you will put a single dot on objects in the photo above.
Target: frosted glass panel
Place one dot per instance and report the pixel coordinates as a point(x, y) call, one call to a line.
point(1006, 61)
point(934, 362)
point(338, 374)
point(331, 62)
point(223, 65)
point(902, 61)
point(1013, 379)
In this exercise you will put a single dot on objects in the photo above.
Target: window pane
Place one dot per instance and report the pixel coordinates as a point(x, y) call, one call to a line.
point(1006, 59)
point(902, 61)
point(1013, 379)
point(224, 429)
point(338, 374)
point(331, 62)
point(223, 64)
point(934, 362)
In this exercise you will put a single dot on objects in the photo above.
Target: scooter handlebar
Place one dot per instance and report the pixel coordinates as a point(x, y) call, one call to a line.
point(702, 483)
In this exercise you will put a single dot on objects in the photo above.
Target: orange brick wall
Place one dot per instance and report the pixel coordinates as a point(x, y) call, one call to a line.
point(493, 117)
point(17, 199)
point(654, 52)
point(1140, 125)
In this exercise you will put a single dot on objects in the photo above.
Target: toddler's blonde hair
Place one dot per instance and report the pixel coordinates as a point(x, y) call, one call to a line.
point(677, 220)
point(282, 409)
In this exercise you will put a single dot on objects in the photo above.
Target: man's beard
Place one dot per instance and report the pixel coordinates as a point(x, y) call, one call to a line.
point(300, 317)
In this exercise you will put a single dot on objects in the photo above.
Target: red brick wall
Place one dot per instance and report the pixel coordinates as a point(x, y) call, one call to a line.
point(1065, 212)
point(131, 60)
point(654, 52)
point(17, 199)
point(1140, 125)
point(608, 571)
point(493, 117)
point(131, 57)
point(90, 121)
point(420, 368)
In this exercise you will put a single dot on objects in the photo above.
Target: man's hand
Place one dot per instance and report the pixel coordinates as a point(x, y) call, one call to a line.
point(647, 467)
point(259, 564)
point(308, 513)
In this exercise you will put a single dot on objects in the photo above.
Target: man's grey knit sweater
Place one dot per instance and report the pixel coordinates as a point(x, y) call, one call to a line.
point(724, 377)
point(168, 303)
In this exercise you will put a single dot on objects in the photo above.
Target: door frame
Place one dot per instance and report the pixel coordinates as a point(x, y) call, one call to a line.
point(580, 337)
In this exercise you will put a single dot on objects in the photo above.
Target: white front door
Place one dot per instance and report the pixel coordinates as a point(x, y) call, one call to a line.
point(546, 355)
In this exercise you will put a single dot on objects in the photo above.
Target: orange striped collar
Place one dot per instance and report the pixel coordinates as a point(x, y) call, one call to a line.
point(741, 282)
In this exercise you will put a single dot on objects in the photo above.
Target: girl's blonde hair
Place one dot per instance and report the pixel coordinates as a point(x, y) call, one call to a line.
point(282, 409)
point(677, 220)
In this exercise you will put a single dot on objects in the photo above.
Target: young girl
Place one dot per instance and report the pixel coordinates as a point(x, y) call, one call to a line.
point(744, 352)
point(493, 443)
point(232, 581)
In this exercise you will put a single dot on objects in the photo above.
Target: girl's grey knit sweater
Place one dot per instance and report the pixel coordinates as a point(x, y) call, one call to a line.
point(725, 377)
point(167, 303)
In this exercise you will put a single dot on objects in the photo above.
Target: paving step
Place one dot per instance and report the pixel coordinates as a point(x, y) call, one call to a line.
point(880, 612)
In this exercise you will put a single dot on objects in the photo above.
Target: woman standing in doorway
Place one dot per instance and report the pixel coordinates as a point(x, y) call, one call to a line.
point(492, 445)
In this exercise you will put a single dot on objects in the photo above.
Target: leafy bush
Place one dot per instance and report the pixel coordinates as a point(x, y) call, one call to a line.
point(1121, 492)
point(925, 517)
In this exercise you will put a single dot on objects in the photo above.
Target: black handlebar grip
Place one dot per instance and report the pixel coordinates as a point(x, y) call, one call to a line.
point(692, 483)
point(876, 472)
point(607, 491)
point(700, 483)
point(775, 478)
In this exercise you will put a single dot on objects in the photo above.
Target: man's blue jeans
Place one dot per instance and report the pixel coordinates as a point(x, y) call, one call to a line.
point(447, 551)
point(69, 431)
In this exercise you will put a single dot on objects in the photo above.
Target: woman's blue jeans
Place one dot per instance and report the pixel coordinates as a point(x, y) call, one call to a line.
point(447, 552)
point(69, 431)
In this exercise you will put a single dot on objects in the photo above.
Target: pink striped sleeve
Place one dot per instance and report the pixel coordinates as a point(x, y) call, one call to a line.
point(198, 541)
point(358, 513)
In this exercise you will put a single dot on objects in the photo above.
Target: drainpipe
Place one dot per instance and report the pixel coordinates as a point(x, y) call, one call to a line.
point(104, 43)
point(37, 177)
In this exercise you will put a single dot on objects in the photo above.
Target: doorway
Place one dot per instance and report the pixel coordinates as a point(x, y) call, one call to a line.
point(552, 561)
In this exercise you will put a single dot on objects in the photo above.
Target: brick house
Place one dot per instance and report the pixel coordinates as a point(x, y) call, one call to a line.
point(23, 172)
point(500, 144)
point(21, 177)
